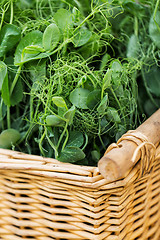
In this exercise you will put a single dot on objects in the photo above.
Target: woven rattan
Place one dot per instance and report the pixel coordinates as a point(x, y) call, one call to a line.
point(43, 199)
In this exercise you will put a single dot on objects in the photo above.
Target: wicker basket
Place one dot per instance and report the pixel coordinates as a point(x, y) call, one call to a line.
point(44, 199)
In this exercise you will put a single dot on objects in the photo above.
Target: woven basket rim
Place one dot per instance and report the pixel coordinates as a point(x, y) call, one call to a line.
point(64, 173)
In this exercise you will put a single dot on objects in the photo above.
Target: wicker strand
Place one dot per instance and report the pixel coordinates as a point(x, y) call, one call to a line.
point(146, 148)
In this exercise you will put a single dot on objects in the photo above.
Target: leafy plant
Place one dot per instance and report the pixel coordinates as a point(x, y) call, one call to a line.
point(75, 76)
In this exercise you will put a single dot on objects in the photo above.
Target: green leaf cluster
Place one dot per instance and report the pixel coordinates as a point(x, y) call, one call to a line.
point(76, 75)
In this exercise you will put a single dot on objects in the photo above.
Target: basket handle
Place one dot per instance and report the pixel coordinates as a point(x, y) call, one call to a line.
point(132, 146)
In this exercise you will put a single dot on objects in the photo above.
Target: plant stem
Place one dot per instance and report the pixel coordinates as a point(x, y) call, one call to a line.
point(102, 92)
point(154, 14)
point(136, 26)
point(65, 142)
point(86, 141)
point(8, 117)
point(52, 145)
point(62, 134)
point(40, 142)
point(15, 79)
point(81, 24)
point(2, 19)
point(31, 107)
point(11, 16)
point(4, 10)
point(80, 71)
point(99, 134)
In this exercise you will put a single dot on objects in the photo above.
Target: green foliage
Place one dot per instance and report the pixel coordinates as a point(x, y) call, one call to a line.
point(9, 37)
point(81, 37)
point(71, 154)
point(154, 28)
point(4, 84)
point(78, 97)
point(51, 37)
point(9, 137)
point(54, 121)
point(83, 74)
point(133, 47)
point(32, 40)
point(3, 73)
point(63, 19)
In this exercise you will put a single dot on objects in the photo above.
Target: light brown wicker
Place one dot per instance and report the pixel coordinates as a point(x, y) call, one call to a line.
point(43, 199)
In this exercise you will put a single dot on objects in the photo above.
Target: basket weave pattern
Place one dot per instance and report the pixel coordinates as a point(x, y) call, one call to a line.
point(43, 199)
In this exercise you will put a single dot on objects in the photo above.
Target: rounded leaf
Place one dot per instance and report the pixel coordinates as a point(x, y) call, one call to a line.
point(9, 36)
point(71, 154)
point(76, 139)
point(112, 115)
point(78, 97)
point(54, 121)
point(81, 37)
point(59, 102)
point(93, 98)
point(30, 39)
point(69, 115)
point(63, 19)
point(51, 37)
point(9, 137)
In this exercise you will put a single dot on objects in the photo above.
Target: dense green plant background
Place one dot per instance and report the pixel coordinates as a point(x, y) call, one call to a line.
point(76, 75)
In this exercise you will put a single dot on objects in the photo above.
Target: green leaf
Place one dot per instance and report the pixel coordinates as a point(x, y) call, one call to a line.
point(33, 49)
point(37, 71)
point(9, 137)
point(62, 111)
point(63, 19)
point(4, 84)
point(82, 81)
point(51, 37)
point(107, 79)
point(81, 37)
point(76, 139)
point(93, 98)
point(134, 8)
point(9, 36)
point(153, 81)
point(104, 61)
point(71, 154)
point(133, 47)
point(78, 97)
point(101, 109)
point(17, 93)
point(154, 29)
point(150, 107)
point(59, 102)
point(3, 111)
point(121, 130)
point(69, 115)
point(92, 47)
point(23, 4)
point(117, 69)
point(95, 155)
point(33, 38)
point(116, 66)
point(112, 115)
point(3, 73)
point(54, 121)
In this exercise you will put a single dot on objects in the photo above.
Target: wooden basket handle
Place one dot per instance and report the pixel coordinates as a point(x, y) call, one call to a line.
point(135, 144)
